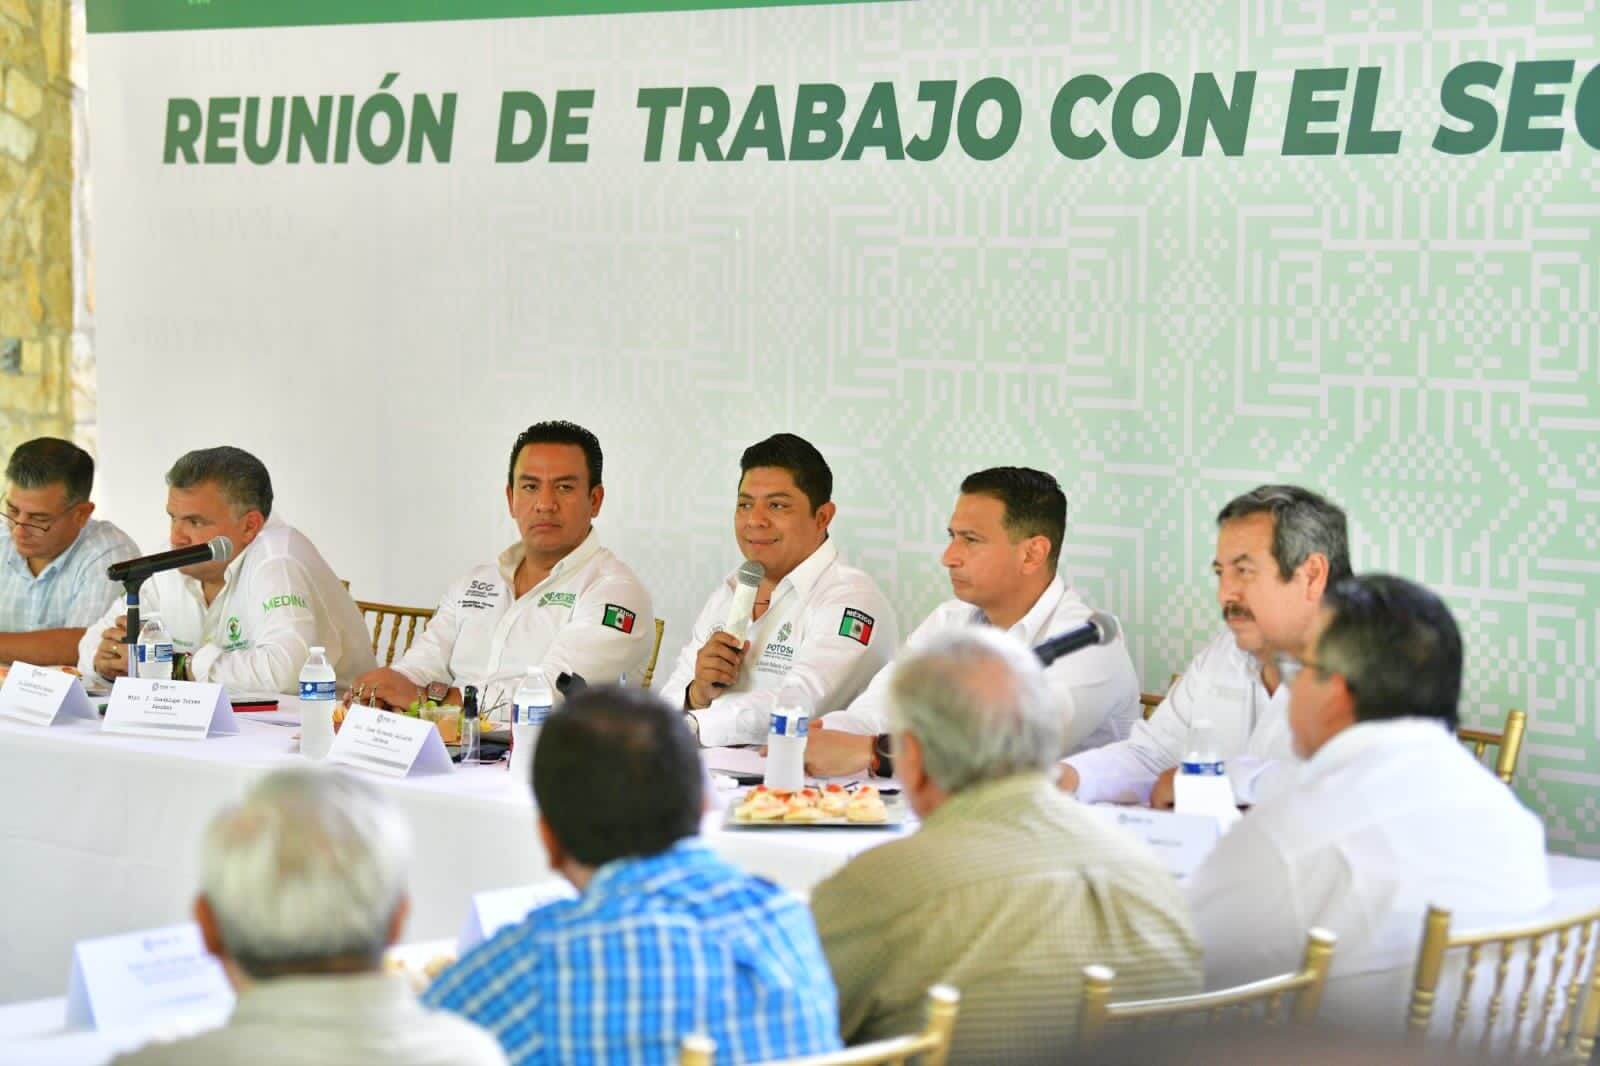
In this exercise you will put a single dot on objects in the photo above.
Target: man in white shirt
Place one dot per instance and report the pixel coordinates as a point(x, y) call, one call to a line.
point(248, 623)
point(1279, 547)
point(820, 629)
point(1003, 560)
point(1389, 814)
point(53, 555)
point(555, 599)
point(302, 888)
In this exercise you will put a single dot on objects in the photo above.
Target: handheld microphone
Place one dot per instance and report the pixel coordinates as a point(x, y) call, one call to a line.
point(744, 600)
point(1101, 628)
point(217, 548)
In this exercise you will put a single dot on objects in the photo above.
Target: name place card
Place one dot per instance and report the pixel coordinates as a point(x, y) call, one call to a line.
point(137, 978)
point(42, 696)
point(1180, 841)
point(391, 744)
point(187, 710)
point(493, 911)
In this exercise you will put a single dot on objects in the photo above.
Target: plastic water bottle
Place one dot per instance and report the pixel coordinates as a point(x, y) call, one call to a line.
point(154, 649)
point(786, 749)
point(317, 696)
point(1202, 785)
point(470, 725)
point(530, 706)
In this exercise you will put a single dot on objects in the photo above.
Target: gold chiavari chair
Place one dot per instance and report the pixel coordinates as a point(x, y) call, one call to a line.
point(395, 618)
point(1151, 700)
point(929, 1048)
point(1259, 1000)
point(1561, 1023)
point(655, 653)
point(1508, 743)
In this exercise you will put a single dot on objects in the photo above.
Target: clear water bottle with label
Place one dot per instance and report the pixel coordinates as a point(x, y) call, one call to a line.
point(1202, 785)
point(530, 706)
point(786, 749)
point(317, 697)
point(154, 649)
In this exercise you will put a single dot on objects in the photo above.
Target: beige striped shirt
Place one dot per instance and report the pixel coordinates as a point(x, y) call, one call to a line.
point(1005, 892)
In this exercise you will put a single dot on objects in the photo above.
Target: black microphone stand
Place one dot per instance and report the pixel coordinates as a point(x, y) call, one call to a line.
point(130, 636)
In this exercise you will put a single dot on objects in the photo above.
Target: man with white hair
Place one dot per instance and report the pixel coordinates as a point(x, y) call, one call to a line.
point(1009, 887)
point(303, 886)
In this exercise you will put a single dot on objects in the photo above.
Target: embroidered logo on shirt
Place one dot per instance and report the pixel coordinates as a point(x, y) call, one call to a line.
point(570, 599)
point(783, 633)
point(479, 595)
point(290, 600)
point(618, 618)
point(857, 625)
point(233, 629)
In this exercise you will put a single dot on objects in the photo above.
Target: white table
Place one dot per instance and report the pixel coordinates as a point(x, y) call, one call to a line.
point(100, 835)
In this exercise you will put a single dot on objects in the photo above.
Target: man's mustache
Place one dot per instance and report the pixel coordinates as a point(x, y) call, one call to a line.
point(1237, 610)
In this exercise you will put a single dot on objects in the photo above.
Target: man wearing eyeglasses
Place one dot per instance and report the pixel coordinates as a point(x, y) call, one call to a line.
point(53, 554)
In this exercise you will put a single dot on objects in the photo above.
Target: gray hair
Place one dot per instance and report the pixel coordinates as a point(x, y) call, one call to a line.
point(1303, 524)
point(46, 461)
point(241, 476)
point(307, 868)
point(977, 702)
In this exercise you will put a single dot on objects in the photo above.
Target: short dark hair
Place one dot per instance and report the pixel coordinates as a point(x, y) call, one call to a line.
point(242, 477)
point(1303, 524)
point(1397, 646)
point(52, 461)
point(1035, 505)
point(800, 458)
point(617, 775)
point(559, 432)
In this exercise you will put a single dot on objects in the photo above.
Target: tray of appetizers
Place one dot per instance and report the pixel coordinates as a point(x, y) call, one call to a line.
point(855, 806)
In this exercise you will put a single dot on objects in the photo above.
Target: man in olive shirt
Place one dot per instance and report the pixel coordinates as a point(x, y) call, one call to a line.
point(1009, 888)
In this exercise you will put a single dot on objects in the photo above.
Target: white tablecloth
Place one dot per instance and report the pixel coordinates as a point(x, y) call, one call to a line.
point(100, 835)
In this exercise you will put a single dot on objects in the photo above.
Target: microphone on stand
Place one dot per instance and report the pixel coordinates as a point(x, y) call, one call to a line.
point(1101, 628)
point(217, 548)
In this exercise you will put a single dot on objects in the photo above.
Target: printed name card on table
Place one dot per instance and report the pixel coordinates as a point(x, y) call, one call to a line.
point(141, 977)
point(1180, 841)
point(390, 744)
point(42, 696)
point(187, 710)
point(493, 911)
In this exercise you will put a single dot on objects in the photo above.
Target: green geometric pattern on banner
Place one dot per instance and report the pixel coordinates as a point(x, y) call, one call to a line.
point(133, 16)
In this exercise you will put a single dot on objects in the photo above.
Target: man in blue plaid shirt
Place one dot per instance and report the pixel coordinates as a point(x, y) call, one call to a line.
point(664, 939)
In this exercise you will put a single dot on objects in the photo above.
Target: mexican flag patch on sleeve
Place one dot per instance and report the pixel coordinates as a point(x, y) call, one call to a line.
point(618, 618)
point(857, 625)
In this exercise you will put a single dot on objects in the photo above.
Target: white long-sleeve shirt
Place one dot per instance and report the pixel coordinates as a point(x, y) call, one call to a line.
point(1385, 819)
point(827, 631)
point(1096, 689)
point(1250, 727)
point(590, 616)
point(279, 599)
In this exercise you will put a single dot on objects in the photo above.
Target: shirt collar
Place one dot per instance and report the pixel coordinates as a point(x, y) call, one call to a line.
point(1031, 626)
point(620, 875)
point(512, 558)
point(803, 577)
point(1361, 742)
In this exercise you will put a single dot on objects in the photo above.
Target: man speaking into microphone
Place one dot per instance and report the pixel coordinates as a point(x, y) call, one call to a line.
point(245, 621)
point(1002, 559)
point(798, 629)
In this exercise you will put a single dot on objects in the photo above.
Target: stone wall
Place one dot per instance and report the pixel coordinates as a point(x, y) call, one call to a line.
point(36, 230)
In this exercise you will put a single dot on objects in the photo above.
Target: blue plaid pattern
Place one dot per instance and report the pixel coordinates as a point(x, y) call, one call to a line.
point(72, 591)
point(653, 950)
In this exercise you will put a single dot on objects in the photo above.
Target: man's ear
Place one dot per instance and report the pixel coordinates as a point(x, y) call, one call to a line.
point(210, 934)
point(1035, 554)
point(397, 920)
point(825, 514)
point(1316, 570)
point(597, 496)
point(553, 850)
point(253, 521)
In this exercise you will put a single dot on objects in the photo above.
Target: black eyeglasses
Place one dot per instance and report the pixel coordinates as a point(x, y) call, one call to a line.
point(13, 520)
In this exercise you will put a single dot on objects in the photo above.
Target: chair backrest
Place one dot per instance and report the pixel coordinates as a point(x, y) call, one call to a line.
point(655, 653)
point(1263, 1000)
point(931, 1047)
point(1508, 743)
point(1151, 700)
point(1564, 1018)
point(395, 618)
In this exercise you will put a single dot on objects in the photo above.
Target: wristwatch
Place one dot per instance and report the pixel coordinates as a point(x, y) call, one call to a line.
point(437, 691)
point(882, 764)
